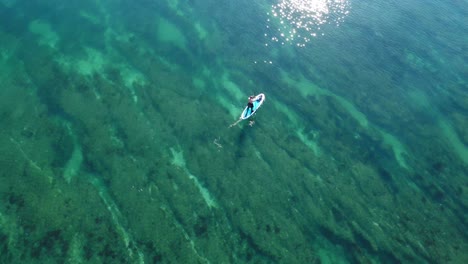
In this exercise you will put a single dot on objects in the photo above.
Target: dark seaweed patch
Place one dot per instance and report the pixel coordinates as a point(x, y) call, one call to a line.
point(201, 227)
point(51, 244)
point(254, 250)
point(387, 177)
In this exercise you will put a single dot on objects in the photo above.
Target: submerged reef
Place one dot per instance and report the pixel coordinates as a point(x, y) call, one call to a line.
point(116, 145)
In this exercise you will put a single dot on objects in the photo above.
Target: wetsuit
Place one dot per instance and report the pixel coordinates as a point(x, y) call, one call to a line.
point(250, 104)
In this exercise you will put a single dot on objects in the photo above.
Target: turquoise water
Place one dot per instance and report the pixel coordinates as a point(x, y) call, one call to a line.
point(117, 144)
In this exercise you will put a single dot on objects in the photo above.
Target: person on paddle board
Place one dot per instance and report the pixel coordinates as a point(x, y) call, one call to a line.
point(250, 103)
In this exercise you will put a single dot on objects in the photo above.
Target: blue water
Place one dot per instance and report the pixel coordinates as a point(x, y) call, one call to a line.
point(121, 140)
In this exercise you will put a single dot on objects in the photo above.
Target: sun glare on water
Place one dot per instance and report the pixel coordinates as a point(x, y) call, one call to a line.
point(297, 21)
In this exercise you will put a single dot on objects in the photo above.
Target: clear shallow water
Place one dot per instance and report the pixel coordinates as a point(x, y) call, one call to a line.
point(116, 146)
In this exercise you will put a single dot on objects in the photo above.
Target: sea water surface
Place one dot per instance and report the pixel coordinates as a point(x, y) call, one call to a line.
point(117, 145)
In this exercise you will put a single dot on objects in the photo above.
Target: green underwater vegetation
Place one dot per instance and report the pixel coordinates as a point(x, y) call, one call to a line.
point(116, 145)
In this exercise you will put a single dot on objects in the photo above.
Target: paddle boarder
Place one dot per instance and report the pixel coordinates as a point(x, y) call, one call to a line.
point(256, 101)
point(250, 103)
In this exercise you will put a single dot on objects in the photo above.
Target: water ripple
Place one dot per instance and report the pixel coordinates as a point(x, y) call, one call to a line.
point(297, 21)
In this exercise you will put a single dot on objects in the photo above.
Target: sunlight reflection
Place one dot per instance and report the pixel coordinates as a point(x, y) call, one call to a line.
point(297, 21)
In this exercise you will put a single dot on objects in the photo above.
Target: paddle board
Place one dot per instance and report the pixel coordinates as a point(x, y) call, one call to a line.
point(258, 101)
